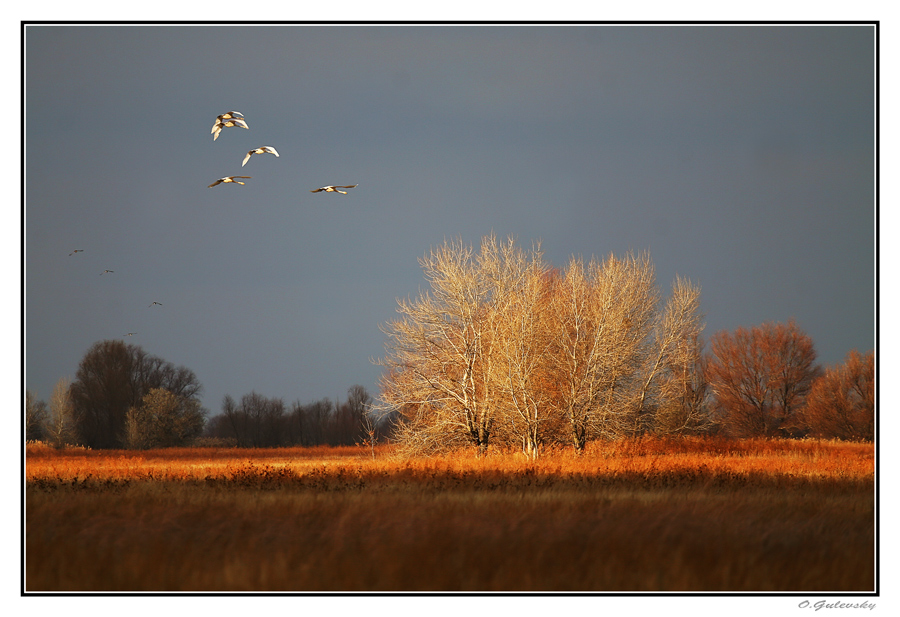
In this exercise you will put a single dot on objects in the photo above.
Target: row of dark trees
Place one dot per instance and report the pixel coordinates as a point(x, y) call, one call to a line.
point(260, 422)
point(123, 397)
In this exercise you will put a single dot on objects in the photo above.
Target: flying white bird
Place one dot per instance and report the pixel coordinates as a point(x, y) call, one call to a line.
point(157, 303)
point(335, 189)
point(105, 271)
point(130, 334)
point(228, 179)
point(260, 150)
point(221, 124)
point(220, 119)
point(76, 251)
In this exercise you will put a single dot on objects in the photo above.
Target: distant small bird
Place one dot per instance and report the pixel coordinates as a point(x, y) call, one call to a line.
point(130, 334)
point(260, 150)
point(334, 189)
point(105, 271)
point(76, 251)
point(228, 179)
point(156, 303)
point(226, 121)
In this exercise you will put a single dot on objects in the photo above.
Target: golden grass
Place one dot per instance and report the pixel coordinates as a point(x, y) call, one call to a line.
point(652, 515)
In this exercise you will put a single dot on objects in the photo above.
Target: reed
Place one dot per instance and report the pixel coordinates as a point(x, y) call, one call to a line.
point(646, 515)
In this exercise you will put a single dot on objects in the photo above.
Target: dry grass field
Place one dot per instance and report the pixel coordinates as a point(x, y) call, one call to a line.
point(695, 515)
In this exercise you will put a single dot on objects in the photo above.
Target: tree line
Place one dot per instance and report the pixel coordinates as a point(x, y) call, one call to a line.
point(257, 421)
point(123, 397)
point(501, 350)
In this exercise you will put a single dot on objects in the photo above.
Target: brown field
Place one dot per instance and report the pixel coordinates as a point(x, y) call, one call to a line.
point(695, 515)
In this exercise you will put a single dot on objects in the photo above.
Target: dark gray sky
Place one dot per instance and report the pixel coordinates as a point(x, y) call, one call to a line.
point(741, 157)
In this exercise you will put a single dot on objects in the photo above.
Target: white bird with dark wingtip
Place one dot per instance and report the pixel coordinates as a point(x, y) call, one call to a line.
point(105, 271)
point(228, 179)
point(222, 122)
point(156, 303)
point(260, 150)
point(76, 251)
point(335, 189)
point(221, 118)
point(130, 334)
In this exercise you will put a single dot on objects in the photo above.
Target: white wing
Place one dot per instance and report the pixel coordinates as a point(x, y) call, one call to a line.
point(246, 158)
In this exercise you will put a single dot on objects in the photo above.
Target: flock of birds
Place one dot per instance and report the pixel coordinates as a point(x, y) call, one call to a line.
point(228, 120)
point(235, 118)
point(154, 303)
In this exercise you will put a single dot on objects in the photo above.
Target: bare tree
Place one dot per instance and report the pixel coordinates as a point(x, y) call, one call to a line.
point(102, 393)
point(316, 418)
point(630, 297)
point(256, 422)
point(684, 393)
point(760, 377)
point(524, 391)
point(841, 402)
point(360, 404)
point(579, 349)
point(671, 395)
point(35, 417)
point(438, 353)
point(603, 316)
point(235, 422)
point(60, 427)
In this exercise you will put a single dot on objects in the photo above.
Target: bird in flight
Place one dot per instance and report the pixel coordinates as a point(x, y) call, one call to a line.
point(105, 271)
point(260, 150)
point(335, 189)
point(229, 114)
point(221, 118)
point(228, 120)
point(76, 251)
point(130, 334)
point(157, 303)
point(228, 179)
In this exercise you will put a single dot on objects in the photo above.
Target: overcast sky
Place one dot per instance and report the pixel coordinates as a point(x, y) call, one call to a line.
point(741, 157)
